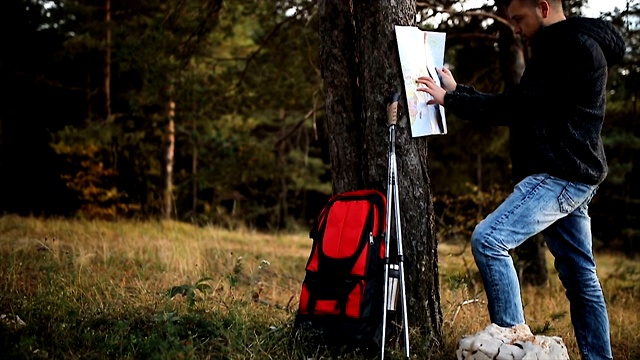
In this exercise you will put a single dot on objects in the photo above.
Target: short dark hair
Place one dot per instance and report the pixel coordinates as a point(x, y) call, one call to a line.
point(535, 2)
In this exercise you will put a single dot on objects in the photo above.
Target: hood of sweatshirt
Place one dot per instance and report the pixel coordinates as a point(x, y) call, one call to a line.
point(604, 33)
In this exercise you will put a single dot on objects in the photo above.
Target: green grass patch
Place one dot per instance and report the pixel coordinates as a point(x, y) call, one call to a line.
point(163, 290)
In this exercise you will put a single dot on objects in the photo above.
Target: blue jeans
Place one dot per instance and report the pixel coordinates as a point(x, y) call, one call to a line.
point(558, 208)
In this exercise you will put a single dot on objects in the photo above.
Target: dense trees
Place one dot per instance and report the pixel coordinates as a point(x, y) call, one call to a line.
point(240, 95)
point(91, 88)
point(616, 207)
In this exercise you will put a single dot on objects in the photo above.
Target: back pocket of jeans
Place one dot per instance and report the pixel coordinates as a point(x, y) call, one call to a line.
point(566, 203)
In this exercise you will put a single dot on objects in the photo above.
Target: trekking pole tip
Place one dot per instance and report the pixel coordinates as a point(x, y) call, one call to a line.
point(392, 108)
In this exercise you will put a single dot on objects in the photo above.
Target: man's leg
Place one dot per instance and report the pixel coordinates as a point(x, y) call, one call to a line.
point(535, 204)
point(569, 240)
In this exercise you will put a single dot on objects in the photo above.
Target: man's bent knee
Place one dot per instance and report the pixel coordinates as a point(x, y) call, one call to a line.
point(481, 240)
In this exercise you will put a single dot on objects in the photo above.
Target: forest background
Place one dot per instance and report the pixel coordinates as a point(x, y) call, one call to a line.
point(212, 112)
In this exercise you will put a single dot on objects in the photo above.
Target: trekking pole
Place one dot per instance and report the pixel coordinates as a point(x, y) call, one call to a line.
point(392, 199)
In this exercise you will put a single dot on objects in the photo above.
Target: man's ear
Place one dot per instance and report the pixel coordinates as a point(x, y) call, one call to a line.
point(545, 8)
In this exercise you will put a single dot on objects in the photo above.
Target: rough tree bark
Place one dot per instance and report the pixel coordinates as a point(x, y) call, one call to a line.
point(360, 68)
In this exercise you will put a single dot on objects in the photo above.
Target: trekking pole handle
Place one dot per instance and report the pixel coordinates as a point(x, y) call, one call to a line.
point(392, 109)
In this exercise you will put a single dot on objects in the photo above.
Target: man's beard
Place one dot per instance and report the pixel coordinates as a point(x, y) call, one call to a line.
point(534, 33)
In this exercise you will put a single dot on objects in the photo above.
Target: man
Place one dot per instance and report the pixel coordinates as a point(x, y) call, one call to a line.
point(555, 116)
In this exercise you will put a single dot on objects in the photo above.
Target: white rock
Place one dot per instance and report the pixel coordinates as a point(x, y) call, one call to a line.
point(19, 321)
point(488, 347)
point(510, 352)
point(516, 343)
point(11, 320)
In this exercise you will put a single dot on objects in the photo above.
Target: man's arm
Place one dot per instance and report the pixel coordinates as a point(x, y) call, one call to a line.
point(466, 89)
point(531, 101)
point(470, 104)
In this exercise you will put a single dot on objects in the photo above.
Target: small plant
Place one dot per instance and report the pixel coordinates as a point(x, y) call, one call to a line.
point(234, 277)
point(459, 280)
point(192, 291)
point(544, 329)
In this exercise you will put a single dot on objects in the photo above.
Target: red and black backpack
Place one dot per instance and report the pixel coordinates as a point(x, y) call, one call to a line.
point(341, 297)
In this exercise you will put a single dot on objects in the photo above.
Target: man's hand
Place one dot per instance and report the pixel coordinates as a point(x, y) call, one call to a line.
point(448, 82)
point(432, 89)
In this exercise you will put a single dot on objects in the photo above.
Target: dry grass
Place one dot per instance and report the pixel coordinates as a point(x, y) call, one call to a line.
point(99, 289)
point(546, 308)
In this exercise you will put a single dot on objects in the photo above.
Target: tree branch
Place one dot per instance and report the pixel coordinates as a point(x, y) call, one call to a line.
point(478, 13)
point(295, 127)
point(243, 73)
point(473, 36)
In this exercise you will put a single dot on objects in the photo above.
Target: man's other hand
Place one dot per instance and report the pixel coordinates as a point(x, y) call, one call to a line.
point(431, 88)
point(448, 82)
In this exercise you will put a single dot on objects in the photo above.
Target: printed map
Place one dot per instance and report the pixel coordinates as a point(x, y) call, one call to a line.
point(420, 53)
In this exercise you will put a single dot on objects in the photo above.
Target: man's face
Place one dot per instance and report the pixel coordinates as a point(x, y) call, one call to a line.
point(527, 19)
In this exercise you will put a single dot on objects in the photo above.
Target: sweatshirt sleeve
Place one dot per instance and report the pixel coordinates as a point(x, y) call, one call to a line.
point(466, 89)
point(518, 103)
point(472, 105)
point(558, 88)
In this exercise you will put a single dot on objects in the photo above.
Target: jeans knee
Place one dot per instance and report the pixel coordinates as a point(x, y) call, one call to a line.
point(481, 243)
point(580, 279)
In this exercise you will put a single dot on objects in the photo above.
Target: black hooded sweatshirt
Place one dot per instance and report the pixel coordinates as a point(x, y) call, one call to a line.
point(555, 114)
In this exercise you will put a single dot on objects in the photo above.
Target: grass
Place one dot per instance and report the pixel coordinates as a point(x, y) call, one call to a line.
point(130, 290)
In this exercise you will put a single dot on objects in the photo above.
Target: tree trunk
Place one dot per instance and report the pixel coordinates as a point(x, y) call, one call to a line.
point(531, 261)
point(169, 154)
point(479, 181)
point(107, 61)
point(194, 178)
point(281, 158)
point(2, 149)
point(88, 92)
point(511, 50)
point(360, 67)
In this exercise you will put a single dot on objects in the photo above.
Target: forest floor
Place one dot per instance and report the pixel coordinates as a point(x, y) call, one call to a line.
point(79, 289)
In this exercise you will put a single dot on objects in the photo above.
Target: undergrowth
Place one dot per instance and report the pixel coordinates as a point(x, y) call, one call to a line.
point(126, 290)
